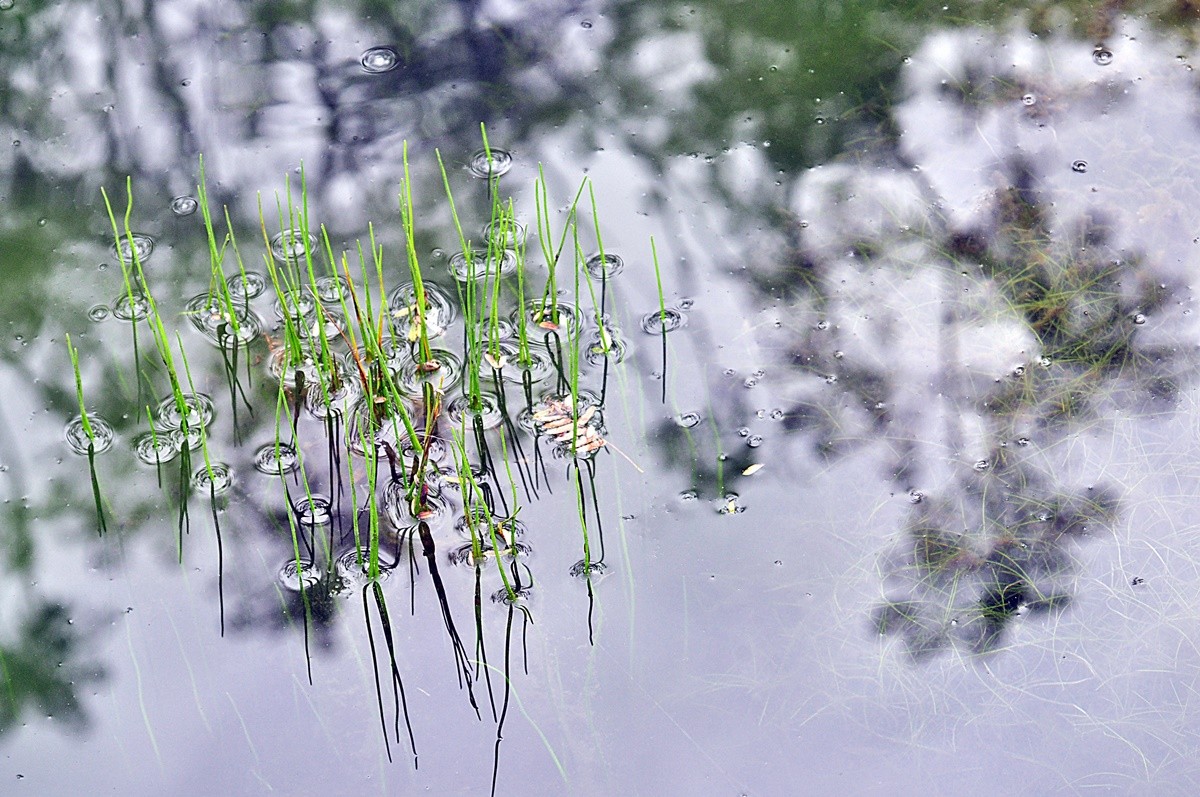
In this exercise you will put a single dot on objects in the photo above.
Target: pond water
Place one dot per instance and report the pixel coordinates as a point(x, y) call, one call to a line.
point(905, 504)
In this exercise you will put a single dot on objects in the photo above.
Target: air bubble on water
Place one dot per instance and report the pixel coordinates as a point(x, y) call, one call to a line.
point(6, 5)
point(754, 440)
point(610, 264)
point(77, 437)
point(136, 244)
point(210, 317)
point(1045, 362)
point(198, 408)
point(915, 496)
point(822, 325)
point(155, 449)
point(588, 569)
point(290, 245)
point(686, 303)
point(1102, 55)
point(212, 480)
point(189, 441)
point(1139, 318)
point(776, 414)
point(518, 596)
point(249, 285)
point(275, 460)
point(507, 233)
point(379, 59)
point(687, 419)
point(476, 263)
point(1079, 166)
point(314, 510)
point(131, 307)
point(982, 465)
point(1022, 441)
point(331, 289)
point(483, 167)
point(743, 432)
point(98, 312)
point(687, 496)
point(1029, 99)
point(460, 411)
point(184, 205)
point(586, 24)
point(663, 321)
point(292, 576)
point(440, 312)
point(354, 568)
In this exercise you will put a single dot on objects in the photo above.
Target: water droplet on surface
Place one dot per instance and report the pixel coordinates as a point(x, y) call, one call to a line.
point(131, 308)
point(478, 264)
point(379, 59)
point(488, 411)
point(1079, 167)
point(197, 406)
point(687, 419)
point(483, 167)
point(584, 569)
point(98, 312)
point(354, 567)
point(292, 576)
point(314, 511)
point(331, 289)
point(609, 264)
point(184, 205)
point(137, 244)
point(292, 244)
point(210, 317)
point(217, 482)
point(274, 463)
point(249, 285)
point(77, 437)
point(507, 233)
point(155, 449)
point(1102, 56)
point(518, 596)
point(440, 312)
point(663, 320)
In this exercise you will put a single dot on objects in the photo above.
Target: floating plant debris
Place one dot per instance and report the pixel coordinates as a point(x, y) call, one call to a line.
point(574, 430)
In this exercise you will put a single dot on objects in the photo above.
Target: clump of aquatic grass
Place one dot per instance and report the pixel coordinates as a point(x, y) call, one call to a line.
point(101, 523)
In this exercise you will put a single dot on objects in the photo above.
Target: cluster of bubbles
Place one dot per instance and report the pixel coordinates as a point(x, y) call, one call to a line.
point(175, 429)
